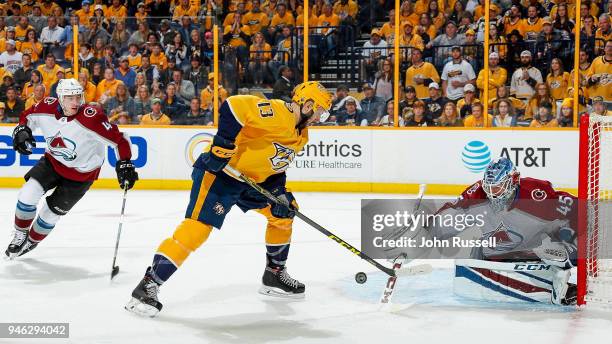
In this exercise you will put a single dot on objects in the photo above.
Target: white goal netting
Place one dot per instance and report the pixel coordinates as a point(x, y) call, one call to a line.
point(599, 212)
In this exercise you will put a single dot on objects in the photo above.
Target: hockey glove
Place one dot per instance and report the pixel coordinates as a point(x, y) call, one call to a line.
point(221, 151)
point(23, 141)
point(126, 173)
point(558, 254)
point(287, 210)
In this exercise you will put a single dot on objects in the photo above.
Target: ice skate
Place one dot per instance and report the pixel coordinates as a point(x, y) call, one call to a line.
point(20, 245)
point(277, 282)
point(144, 300)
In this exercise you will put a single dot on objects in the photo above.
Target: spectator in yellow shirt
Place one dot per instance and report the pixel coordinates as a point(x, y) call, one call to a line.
point(31, 46)
point(260, 54)
point(346, 10)
point(557, 80)
point(410, 39)
point(185, 9)
point(89, 89)
point(544, 118)
point(280, 19)
point(37, 96)
point(600, 75)
point(328, 19)
point(329, 22)
point(155, 117)
point(476, 118)
point(464, 105)
point(28, 88)
point(532, 25)
point(206, 96)
point(116, 12)
point(49, 71)
point(47, 7)
point(388, 28)
point(513, 21)
point(255, 19)
point(497, 76)
point(421, 74)
point(603, 33)
point(541, 96)
point(566, 117)
point(85, 12)
point(158, 58)
point(107, 88)
point(22, 28)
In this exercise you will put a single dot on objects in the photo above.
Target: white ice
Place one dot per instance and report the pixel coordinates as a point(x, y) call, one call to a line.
point(213, 297)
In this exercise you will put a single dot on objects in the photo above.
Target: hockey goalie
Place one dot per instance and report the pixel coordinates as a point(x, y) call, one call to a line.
point(533, 227)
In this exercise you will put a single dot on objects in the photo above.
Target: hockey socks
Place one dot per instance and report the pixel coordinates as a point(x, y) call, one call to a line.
point(43, 225)
point(276, 255)
point(161, 269)
point(24, 215)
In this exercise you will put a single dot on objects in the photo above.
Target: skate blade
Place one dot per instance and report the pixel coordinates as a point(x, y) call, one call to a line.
point(10, 256)
point(137, 307)
point(279, 293)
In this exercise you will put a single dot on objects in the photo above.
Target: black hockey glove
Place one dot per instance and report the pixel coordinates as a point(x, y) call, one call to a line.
point(23, 141)
point(283, 211)
point(221, 151)
point(126, 173)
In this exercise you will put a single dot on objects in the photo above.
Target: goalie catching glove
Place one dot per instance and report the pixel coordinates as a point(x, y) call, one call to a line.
point(220, 153)
point(562, 253)
point(126, 173)
point(23, 141)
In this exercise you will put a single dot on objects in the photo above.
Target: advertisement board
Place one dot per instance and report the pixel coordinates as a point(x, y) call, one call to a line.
point(346, 157)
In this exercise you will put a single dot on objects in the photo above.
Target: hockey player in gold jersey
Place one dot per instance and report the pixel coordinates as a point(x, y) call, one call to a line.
point(259, 138)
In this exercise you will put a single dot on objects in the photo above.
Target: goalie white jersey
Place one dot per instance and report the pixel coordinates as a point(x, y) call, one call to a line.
point(536, 212)
point(76, 145)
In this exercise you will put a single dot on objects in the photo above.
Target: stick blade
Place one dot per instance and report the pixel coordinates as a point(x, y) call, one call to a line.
point(114, 272)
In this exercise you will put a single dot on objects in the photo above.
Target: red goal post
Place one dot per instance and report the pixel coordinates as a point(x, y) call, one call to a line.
point(595, 214)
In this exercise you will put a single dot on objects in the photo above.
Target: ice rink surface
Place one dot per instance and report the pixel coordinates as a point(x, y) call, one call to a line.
point(213, 297)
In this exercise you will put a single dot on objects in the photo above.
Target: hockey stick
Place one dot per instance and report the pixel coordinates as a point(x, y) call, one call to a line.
point(232, 172)
point(115, 269)
point(387, 294)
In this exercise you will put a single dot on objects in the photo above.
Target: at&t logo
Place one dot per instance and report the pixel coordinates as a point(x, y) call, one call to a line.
point(476, 156)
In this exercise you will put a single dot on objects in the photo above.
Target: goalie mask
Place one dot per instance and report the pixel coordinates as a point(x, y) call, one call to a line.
point(500, 182)
point(320, 97)
point(70, 87)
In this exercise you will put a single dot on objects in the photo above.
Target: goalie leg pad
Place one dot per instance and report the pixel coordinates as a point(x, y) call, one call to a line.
point(503, 282)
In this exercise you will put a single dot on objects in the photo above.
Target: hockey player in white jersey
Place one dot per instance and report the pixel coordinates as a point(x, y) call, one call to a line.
point(76, 136)
point(531, 223)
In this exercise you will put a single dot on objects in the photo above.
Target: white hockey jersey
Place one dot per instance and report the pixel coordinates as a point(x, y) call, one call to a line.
point(537, 209)
point(76, 145)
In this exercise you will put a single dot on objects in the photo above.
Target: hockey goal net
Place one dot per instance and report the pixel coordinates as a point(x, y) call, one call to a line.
point(595, 213)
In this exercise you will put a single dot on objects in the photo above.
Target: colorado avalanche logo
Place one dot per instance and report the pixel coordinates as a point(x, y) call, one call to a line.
point(89, 112)
point(60, 146)
point(283, 157)
point(538, 195)
point(505, 238)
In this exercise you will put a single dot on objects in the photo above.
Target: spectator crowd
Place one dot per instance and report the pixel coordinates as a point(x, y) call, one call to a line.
point(151, 61)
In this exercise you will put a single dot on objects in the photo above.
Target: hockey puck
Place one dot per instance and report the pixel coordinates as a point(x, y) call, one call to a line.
point(361, 277)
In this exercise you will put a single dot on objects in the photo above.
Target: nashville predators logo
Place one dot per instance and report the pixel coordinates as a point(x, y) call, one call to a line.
point(283, 157)
point(61, 147)
point(219, 209)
